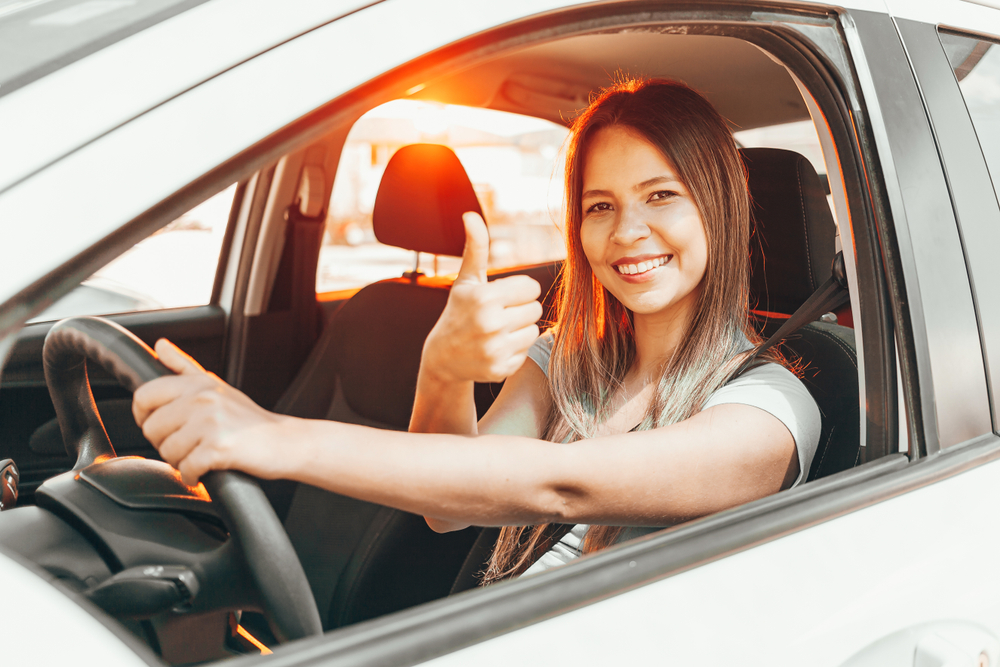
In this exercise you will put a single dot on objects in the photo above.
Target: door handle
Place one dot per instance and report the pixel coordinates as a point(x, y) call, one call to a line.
point(935, 644)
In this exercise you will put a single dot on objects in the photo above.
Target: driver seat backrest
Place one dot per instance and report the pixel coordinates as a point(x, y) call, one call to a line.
point(791, 254)
point(364, 560)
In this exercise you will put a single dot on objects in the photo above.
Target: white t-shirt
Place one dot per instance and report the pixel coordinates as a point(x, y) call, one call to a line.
point(770, 387)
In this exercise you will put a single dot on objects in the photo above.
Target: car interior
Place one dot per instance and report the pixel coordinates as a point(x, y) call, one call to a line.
point(353, 355)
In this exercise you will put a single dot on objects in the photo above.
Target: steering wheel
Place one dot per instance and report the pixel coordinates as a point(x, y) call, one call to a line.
point(286, 597)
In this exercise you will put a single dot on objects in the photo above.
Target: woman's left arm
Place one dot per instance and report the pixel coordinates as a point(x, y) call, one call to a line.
point(724, 456)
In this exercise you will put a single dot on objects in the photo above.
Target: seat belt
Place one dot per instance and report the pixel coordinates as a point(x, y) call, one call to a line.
point(831, 295)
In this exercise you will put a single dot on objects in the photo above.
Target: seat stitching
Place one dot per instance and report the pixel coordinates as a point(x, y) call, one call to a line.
point(826, 448)
point(852, 355)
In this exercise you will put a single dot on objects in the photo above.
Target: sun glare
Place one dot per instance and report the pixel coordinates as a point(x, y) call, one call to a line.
point(436, 118)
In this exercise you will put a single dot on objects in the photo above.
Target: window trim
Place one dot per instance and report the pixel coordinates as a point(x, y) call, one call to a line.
point(973, 189)
point(941, 375)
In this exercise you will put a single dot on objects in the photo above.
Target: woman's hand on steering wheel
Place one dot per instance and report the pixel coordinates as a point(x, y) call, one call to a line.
point(199, 423)
point(486, 328)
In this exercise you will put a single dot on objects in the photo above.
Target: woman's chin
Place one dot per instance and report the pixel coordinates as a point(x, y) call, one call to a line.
point(655, 303)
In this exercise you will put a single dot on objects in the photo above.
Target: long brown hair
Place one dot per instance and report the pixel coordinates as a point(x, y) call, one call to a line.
point(594, 343)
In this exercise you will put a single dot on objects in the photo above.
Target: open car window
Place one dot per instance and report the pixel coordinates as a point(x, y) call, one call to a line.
point(513, 161)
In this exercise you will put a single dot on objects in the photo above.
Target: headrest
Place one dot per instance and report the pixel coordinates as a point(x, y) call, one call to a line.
point(793, 243)
point(421, 199)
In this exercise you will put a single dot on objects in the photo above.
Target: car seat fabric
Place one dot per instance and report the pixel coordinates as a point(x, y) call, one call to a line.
point(793, 242)
point(830, 374)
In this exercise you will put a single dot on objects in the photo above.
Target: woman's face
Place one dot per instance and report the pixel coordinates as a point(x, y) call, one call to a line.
point(641, 230)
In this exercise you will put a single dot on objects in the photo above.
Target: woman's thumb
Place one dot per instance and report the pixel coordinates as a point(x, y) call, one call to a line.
point(476, 255)
point(175, 358)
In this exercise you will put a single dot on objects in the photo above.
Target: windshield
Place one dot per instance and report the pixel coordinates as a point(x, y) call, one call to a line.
point(38, 37)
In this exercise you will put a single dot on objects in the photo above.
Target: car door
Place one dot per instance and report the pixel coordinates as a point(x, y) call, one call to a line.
point(883, 583)
point(856, 556)
point(822, 573)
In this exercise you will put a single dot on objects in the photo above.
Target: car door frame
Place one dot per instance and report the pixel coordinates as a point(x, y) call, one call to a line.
point(882, 75)
point(970, 184)
point(451, 624)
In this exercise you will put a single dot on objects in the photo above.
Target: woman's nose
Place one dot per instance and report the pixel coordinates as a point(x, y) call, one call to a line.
point(629, 227)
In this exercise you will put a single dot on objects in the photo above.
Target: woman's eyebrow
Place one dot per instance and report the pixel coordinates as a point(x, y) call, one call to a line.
point(638, 187)
point(658, 180)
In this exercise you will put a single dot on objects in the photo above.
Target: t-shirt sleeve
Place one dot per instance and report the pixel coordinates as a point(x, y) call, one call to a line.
point(774, 389)
point(541, 351)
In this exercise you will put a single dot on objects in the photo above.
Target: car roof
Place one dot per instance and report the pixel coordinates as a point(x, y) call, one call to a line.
point(38, 37)
point(555, 79)
point(119, 104)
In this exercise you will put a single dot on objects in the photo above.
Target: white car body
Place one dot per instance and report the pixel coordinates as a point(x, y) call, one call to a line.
point(894, 565)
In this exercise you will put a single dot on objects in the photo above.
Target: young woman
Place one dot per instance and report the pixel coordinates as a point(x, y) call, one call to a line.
point(624, 414)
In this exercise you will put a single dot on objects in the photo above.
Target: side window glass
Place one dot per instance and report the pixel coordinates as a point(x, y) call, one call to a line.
point(173, 268)
point(977, 67)
point(512, 161)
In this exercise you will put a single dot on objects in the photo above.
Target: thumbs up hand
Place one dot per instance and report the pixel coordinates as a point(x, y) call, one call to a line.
point(486, 328)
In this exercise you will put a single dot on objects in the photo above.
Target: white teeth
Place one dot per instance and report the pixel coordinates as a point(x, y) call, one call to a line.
point(641, 267)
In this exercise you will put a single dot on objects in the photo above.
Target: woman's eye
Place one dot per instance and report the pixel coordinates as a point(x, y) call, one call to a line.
point(663, 195)
point(599, 206)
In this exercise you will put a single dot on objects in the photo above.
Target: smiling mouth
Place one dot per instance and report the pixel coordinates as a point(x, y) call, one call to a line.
point(642, 267)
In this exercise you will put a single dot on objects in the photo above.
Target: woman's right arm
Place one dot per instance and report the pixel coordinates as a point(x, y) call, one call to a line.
point(483, 335)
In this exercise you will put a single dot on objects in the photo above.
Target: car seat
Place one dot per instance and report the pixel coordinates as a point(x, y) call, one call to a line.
point(791, 254)
point(364, 560)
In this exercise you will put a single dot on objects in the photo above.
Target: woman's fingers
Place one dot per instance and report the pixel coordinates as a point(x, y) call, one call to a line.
point(175, 358)
point(521, 339)
point(157, 393)
point(177, 445)
point(178, 403)
point(195, 420)
point(513, 290)
point(518, 317)
point(471, 340)
point(476, 254)
point(197, 463)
